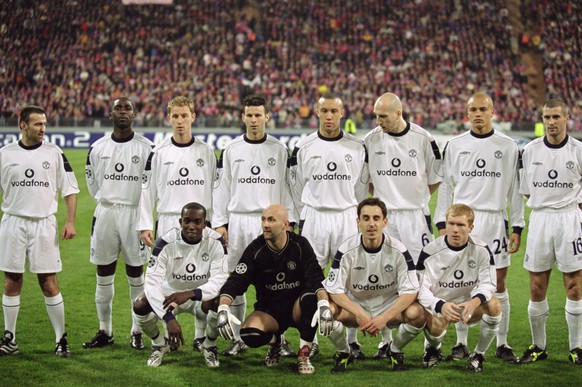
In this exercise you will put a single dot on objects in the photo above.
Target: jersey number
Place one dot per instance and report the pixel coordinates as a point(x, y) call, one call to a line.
point(500, 246)
point(425, 239)
point(577, 246)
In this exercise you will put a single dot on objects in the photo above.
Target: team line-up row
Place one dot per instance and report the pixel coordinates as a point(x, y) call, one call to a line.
point(387, 270)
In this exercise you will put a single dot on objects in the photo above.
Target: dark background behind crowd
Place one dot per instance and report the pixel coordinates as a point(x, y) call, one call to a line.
point(73, 57)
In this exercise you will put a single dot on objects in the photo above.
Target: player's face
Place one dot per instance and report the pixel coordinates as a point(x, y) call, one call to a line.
point(480, 113)
point(386, 117)
point(255, 119)
point(181, 119)
point(458, 230)
point(122, 113)
point(555, 122)
point(192, 222)
point(371, 222)
point(330, 112)
point(274, 225)
point(33, 130)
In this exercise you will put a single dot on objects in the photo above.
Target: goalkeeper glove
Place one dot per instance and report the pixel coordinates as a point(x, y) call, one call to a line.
point(323, 317)
point(225, 322)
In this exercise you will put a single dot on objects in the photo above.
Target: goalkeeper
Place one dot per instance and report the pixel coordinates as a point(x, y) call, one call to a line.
point(288, 281)
point(373, 284)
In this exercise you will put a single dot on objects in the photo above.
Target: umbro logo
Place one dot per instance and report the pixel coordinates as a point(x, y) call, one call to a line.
point(359, 268)
point(315, 157)
point(168, 163)
point(239, 161)
point(105, 157)
point(537, 163)
point(464, 153)
point(381, 153)
point(444, 268)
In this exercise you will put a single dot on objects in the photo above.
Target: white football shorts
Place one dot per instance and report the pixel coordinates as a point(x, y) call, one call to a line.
point(411, 228)
point(242, 230)
point(491, 228)
point(326, 230)
point(113, 233)
point(554, 238)
point(35, 239)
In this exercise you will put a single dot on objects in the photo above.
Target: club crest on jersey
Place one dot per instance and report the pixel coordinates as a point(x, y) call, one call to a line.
point(348, 158)
point(388, 268)
point(205, 257)
point(291, 265)
point(412, 153)
point(498, 154)
point(135, 159)
point(570, 165)
point(271, 161)
point(200, 162)
point(46, 165)
point(241, 268)
point(472, 264)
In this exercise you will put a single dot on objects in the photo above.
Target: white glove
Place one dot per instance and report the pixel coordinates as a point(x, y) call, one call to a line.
point(225, 321)
point(323, 317)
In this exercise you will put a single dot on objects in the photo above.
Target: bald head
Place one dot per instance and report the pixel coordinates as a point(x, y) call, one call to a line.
point(389, 101)
point(388, 111)
point(278, 211)
point(275, 221)
point(481, 96)
point(480, 113)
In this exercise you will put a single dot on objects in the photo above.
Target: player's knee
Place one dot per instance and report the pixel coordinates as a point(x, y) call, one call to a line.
point(492, 307)
point(254, 337)
point(141, 305)
point(414, 315)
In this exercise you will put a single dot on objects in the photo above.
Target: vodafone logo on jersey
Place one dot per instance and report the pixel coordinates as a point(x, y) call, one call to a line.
point(29, 181)
point(256, 178)
point(184, 172)
point(118, 175)
point(396, 170)
point(480, 171)
point(331, 175)
point(553, 181)
point(282, 284)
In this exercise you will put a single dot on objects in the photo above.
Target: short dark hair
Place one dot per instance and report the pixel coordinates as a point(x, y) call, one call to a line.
point(193, 206)
point(255, 100)
point(556, 102)
point(27, 111)
point(373, 202)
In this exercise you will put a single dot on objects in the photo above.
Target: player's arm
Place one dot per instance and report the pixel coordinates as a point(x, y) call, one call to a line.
point(342, 300)
point(145, 222)
point(445, 191)
point(92, 182)
point(516, 207)
point(377, 323)
point(221, 196)
point(69, 231)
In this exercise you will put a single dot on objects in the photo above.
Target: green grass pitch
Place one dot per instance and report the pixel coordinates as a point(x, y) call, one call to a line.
point(120, 365)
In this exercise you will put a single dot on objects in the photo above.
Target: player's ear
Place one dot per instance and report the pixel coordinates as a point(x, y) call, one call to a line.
point(267, 117)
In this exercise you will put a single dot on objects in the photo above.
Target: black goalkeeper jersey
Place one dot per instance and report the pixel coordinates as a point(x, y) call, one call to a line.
point(279, 277)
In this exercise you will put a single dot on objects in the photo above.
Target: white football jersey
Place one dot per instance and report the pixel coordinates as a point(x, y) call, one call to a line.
point(176, 266)
point(402, 166)
point(252, 176)
point(31, 178)
point(176, 174)
point(328, 174)
point(372, 279)
point(114, 169)
point(552, 174)
point(455, 274)
point(481, 172)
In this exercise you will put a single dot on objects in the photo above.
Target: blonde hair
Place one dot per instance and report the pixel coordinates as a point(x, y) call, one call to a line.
point(460, 209)
point(181, 101)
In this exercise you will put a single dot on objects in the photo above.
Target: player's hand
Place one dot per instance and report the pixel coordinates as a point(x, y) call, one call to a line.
point(453, 312)
point(375, 325)
point(172, 301)
point(323, 317)
point(147, 237)
point(69, 231)
point(224, 232)
point(225, 322)
point(363, 319)
point(175, 334)
point(514, 243)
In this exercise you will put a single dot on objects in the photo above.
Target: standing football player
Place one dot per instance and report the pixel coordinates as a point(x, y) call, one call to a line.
point(552, 181)
point(252, 174)
point(114, 168)
point(328, 178)
point(480, 169)
point(32, 173)
point(180, 169)
point(404, 162)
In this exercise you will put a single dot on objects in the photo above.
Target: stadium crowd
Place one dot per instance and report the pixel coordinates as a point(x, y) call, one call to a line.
point(74, 57)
